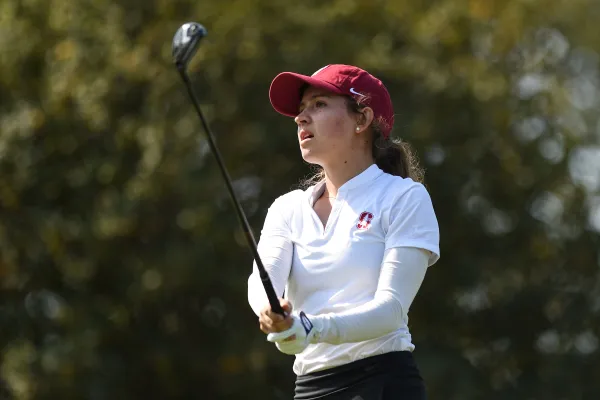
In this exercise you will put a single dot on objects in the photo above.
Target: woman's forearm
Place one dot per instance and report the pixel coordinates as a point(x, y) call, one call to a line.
point(402, 273)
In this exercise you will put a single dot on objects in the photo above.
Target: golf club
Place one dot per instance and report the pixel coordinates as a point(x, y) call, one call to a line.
point(185, 44)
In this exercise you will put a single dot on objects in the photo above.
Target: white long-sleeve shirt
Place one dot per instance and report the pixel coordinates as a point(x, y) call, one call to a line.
point(359, 274)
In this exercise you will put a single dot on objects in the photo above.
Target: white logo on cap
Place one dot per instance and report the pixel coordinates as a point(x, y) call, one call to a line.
point(320, 69)
point(355, 92)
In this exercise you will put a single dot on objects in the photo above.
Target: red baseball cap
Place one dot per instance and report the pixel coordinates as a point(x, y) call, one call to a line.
point(341, 79)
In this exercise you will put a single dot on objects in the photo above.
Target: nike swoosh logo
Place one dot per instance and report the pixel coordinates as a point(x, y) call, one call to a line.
point(355, 92)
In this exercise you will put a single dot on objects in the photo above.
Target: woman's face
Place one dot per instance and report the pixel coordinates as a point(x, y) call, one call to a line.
point(326, 128)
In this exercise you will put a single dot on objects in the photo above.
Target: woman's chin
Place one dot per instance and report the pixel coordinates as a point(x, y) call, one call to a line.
point(310, 157)
point(307, 155)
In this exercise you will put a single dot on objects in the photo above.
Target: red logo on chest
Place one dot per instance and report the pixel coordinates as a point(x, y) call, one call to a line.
point(364, 221)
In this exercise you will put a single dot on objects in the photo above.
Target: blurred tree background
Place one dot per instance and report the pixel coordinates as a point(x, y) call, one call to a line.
point(123, 268)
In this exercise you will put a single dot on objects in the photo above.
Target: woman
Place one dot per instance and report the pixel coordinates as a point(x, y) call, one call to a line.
point(351, 250)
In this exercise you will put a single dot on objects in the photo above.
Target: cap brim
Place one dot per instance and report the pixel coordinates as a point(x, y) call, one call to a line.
point(284, 92)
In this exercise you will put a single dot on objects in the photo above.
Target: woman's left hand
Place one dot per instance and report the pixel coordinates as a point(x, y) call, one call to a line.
point(297, 338)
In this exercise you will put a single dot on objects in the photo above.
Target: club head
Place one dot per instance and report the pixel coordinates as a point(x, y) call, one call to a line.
point(186, 42)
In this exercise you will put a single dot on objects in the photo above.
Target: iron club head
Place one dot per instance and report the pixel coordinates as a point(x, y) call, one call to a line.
point(186, 42)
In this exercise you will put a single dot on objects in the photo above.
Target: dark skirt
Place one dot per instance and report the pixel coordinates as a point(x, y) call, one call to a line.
point(384, 377)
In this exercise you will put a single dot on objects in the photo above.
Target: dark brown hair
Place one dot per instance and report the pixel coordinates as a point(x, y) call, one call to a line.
point(392, 155)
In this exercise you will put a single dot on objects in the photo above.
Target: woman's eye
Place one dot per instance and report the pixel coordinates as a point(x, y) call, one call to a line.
point(320, 104)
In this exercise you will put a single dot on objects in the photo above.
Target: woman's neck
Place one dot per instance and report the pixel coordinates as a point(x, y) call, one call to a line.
point(336, 176)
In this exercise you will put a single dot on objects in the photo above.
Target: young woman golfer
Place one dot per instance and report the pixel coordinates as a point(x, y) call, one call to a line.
point(351, 250)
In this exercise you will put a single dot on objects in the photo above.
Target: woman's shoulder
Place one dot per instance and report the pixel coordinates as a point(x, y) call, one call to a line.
point(289, 200)
point(397, 186)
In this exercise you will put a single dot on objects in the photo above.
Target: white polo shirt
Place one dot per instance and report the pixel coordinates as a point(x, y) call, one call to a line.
point(336, 268)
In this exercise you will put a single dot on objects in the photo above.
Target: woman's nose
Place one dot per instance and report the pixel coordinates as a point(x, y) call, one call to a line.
point(301, 118)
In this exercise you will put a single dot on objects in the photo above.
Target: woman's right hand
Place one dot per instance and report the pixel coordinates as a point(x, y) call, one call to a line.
point(271, 322)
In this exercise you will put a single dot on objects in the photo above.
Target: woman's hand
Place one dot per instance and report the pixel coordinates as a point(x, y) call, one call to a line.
point(271, 322)
point(292, 333)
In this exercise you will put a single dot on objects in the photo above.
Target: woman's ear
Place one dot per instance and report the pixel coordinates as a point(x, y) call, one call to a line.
point(365, 118)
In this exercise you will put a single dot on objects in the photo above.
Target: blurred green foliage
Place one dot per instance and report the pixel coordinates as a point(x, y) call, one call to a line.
point(123, 269)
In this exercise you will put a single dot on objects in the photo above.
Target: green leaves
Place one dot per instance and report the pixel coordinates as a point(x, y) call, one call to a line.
point(120, 253)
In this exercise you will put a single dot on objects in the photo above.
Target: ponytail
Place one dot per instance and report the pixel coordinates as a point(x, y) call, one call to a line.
point(396, 157)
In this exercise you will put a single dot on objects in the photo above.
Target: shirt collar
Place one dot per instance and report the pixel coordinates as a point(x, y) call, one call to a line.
point(315, 191)
point(367, 176)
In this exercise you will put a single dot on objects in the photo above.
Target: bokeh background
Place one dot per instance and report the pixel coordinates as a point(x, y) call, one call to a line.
point(123, 268)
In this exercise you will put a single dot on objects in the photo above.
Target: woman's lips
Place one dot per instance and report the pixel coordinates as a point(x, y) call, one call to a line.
point(305, 135)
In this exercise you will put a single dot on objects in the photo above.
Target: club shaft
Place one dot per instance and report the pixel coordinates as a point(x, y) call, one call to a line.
point(264, 276)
